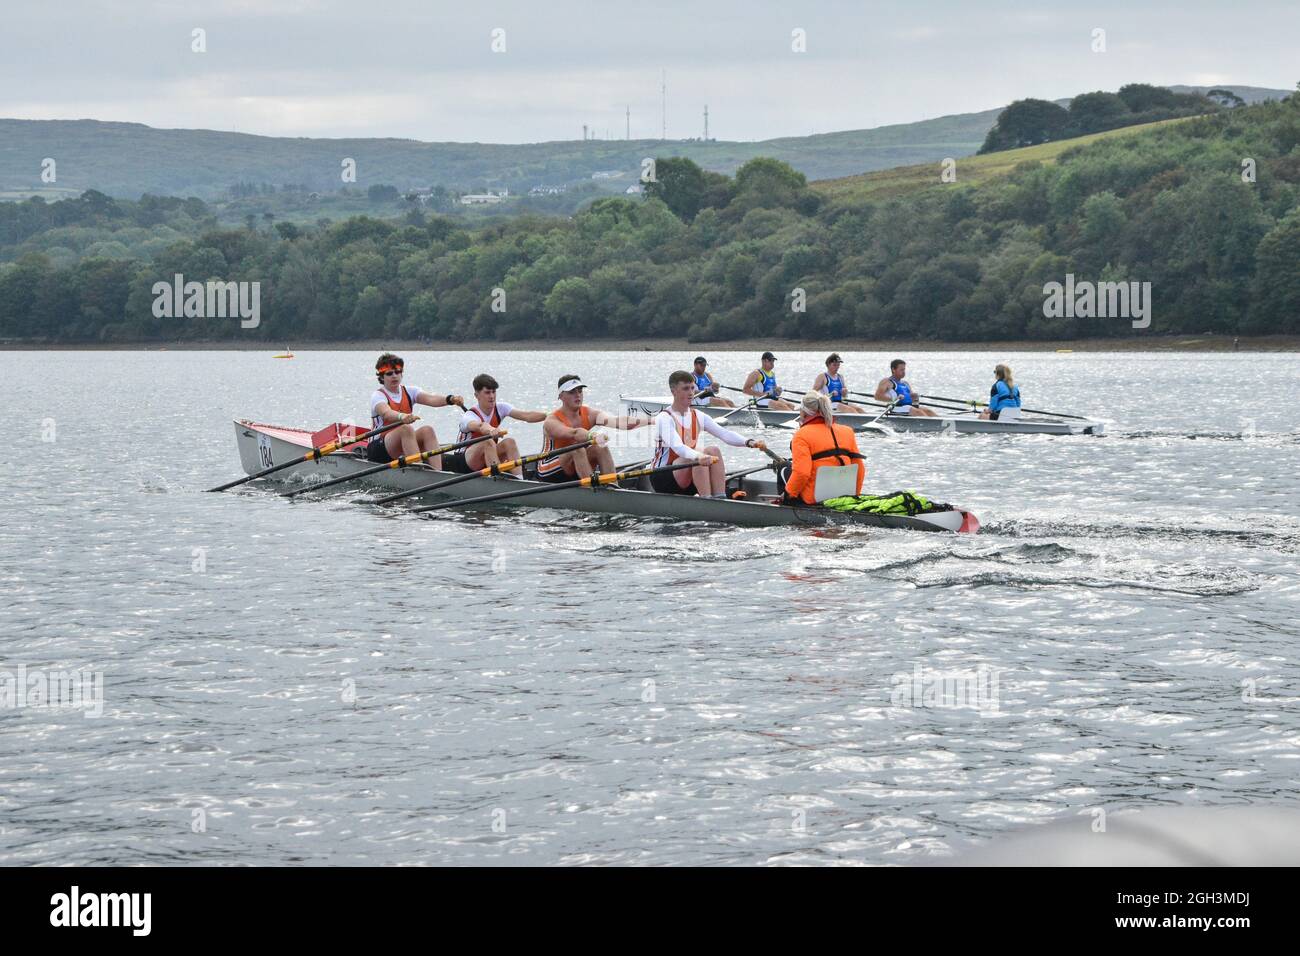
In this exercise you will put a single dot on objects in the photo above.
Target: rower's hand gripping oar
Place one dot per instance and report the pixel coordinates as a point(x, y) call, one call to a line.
point(594, 481)
point(489, 471)
point(395, 463)
point(316, 454)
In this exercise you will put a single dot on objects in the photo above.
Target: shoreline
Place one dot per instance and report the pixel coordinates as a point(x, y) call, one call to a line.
point(1172, 343)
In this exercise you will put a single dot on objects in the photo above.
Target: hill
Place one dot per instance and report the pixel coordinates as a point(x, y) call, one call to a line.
point(1200, 216)
point(972, 170)
point(130, 159)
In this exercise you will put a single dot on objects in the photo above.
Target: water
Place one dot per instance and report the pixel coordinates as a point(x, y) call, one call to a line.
point(317, 681)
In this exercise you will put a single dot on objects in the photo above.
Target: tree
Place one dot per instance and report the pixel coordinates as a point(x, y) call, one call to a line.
point(1094, 112)
point(679, 182)
point(383, 193)
point(1276, 306)
point(1225, 98)
point(1026, 123)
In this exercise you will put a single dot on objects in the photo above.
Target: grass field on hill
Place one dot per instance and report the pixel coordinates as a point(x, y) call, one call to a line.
point(902, 180)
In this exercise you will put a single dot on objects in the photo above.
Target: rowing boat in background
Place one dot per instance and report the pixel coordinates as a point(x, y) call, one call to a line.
point(961, 423)
point(263, 446)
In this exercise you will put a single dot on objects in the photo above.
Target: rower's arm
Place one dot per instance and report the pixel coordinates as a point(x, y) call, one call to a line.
point(721, 431)
point(557, 429)
point(883, 390)
point(476, 426)
point(524, 415)
point(438, 401)
point(624, 422)
point(752, 386)
point(819, 383)
point(388, 415)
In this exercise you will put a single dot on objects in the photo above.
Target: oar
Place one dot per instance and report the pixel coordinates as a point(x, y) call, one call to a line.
point(594, 481)
point(485, 472)
point(395, 463)
point(316, 454)
point(748, 406)
point(928, 400)
point(1031, 411)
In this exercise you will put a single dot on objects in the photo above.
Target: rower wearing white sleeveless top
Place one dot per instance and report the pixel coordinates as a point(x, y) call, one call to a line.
point(485, 418)
point(677, 436)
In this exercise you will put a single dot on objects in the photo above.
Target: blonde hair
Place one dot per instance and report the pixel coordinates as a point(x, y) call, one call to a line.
point(817, 403)
point(1004, 372)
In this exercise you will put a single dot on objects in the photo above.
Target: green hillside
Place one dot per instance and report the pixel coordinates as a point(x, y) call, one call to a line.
point(1204, 213)
point(971, 170)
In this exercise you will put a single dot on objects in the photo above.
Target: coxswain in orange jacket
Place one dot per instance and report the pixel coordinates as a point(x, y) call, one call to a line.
point(817, 443)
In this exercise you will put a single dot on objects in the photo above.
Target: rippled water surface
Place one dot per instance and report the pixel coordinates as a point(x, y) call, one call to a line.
point(318, 681)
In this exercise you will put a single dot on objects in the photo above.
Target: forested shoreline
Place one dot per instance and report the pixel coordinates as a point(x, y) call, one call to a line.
point(1205, 210)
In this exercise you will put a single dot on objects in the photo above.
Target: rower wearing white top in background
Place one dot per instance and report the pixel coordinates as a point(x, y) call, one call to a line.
point(485, 418)
point(831, 384)
point(677, 435)
point(706, 389)
point(395, 402)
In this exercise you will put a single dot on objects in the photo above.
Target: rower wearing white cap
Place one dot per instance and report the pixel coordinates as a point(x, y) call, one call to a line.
point(677, 436)
point(761, 386)
point(570, 424)
point(706, 389)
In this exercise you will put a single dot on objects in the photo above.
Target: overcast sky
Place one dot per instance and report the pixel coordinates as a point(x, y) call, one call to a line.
point(425, 69)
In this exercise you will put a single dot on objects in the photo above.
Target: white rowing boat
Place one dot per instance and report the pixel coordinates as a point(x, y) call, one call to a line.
point(962, 423)
point(264, 446)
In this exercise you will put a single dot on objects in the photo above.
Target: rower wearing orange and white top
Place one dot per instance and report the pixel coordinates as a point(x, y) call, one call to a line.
point(570, 424)
point(485, 418)
point(677, 437)
point(394, 402)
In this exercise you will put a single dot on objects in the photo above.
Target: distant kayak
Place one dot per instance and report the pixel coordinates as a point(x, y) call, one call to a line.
point(283, 355)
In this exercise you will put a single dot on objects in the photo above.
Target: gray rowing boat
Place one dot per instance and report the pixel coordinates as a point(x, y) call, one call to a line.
point(263, 446)
point(961, 423)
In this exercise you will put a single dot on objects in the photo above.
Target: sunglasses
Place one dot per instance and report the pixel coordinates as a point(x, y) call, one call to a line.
point(391, 371)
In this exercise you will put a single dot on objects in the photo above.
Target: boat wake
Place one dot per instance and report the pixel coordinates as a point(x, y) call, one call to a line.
point(1286, 541)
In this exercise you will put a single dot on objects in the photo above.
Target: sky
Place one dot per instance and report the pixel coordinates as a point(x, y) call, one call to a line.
point(428, 70)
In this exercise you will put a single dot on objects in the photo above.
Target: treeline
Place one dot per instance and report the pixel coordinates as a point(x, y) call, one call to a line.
point(1029, 122)
point(1206, 210)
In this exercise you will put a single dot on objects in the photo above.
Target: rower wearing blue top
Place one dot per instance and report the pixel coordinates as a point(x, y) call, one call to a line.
point(894, 389)
point(706, 388)
point(761, 386)
point(1004, 396)
point(831, 383)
